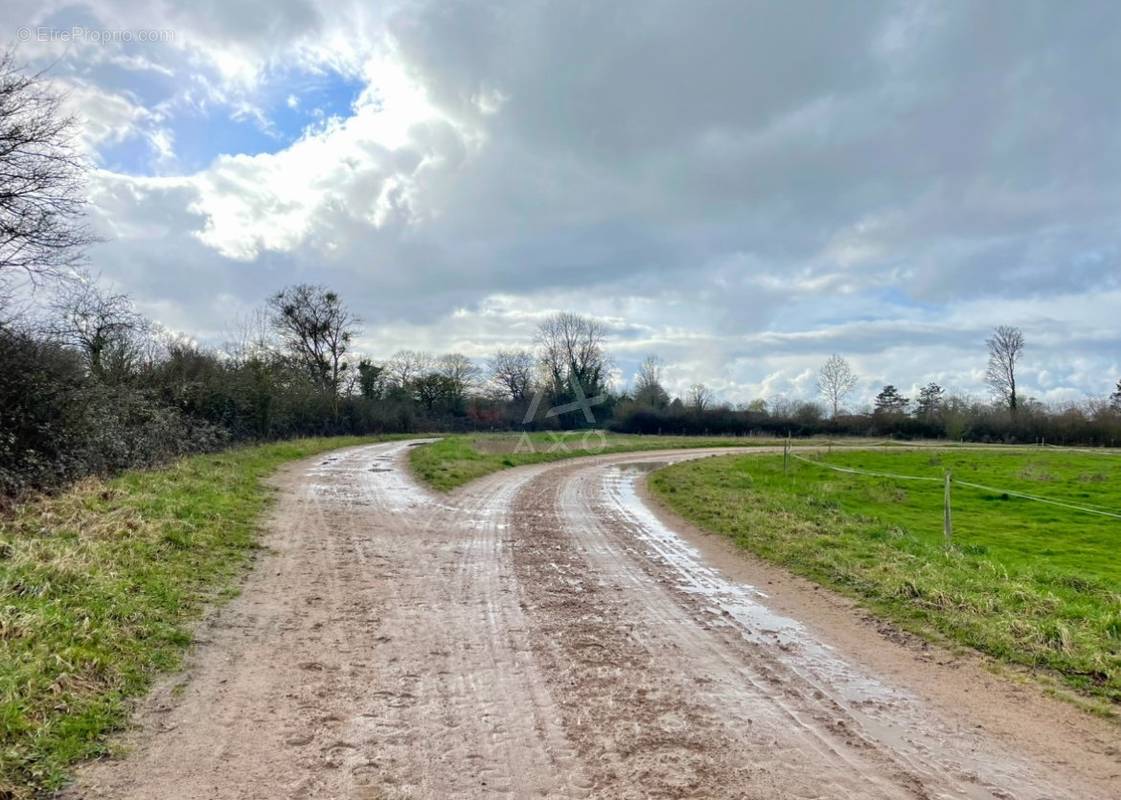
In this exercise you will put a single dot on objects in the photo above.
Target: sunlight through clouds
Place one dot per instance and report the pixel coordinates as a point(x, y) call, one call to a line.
point(748, 187)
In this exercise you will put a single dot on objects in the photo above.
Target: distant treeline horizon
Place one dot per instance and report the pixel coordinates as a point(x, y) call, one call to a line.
point(89, 386)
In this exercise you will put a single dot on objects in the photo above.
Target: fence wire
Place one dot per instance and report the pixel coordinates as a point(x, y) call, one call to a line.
point(956, 482)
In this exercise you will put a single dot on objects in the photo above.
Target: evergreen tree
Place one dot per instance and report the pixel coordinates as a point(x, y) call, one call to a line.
point(930, 401)
point(890, 401)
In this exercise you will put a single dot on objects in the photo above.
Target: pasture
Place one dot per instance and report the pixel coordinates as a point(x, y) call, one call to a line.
point(1026, 582)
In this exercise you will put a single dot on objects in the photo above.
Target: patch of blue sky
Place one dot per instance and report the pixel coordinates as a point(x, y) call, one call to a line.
point(133, 155)
point(279, 111)
point(295, 100)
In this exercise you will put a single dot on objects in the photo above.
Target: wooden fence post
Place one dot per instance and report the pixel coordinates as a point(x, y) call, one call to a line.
point(947, 516)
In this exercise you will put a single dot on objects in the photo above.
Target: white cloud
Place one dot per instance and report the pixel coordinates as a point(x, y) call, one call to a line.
point(363, 169)
point(107, 117)
point(743, 189)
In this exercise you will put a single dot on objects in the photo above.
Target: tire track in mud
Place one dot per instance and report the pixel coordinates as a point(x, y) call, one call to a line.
point(475, 720)
point(376, 651)
point(658, 706)
point(596, 566)
point(532, 635)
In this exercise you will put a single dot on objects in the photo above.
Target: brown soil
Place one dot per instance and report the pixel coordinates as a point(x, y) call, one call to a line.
point(542, 633)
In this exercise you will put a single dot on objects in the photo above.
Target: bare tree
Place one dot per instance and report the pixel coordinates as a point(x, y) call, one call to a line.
point(406, 366)
point(700, 397)
point(316, 329)
point(103, 327)
point(648, 389)
point(957, 412)
point(1006, 345)
point(571, 351)
point(460, 372)
point(42, 178)
point(251, 336)
point(511, 373)
point(835, 382)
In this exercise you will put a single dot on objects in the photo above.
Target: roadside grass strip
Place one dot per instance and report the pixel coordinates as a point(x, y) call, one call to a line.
point(99, 587)
point(455, 460)
point(1032, 577)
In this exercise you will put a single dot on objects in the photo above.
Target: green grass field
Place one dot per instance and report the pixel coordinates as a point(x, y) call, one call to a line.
point(1027, 583)
point(100, 585)
point(98, 588)
point(456, 460)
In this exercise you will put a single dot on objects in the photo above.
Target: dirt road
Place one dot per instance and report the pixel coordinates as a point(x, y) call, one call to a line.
point(542, 633)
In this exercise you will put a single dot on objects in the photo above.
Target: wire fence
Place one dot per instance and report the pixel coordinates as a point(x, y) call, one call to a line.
point(949, 480)
point(1094, 451)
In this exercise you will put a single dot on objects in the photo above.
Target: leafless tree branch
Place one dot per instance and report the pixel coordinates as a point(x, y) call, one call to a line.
point(42, 179)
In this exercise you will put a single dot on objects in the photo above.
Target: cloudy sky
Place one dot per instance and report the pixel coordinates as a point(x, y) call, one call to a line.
point(741, 188)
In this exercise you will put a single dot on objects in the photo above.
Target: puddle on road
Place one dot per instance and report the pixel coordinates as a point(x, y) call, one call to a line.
point(733, 603)
point(892, 715)
point(366, 477)
point(642, 466)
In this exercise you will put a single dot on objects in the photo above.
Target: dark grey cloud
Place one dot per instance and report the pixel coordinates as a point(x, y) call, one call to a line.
point(748, 186)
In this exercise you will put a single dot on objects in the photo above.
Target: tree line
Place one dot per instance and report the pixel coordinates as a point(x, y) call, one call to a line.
point(933, 413)
point(89, 385)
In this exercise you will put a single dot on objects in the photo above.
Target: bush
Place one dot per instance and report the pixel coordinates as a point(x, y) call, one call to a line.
point(61, 420)
point(57, 424)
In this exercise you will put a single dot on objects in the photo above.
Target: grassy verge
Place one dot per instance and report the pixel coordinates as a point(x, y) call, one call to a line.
point(456, 460)
point(98, 587)
point(1027, 583)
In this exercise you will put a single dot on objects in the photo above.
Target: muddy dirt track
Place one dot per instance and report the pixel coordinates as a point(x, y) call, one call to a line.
point(542, 633)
